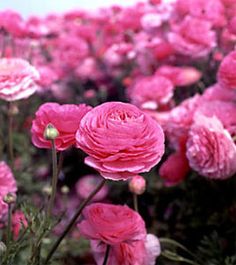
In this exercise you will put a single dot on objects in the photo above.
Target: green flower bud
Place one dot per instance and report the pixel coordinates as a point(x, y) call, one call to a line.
point(50, 132)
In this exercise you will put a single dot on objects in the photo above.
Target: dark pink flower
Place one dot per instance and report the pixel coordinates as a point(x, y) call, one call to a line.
point(141, 252)
point(87, 184)
point(17, 79)
point(121, 140)
point(7, 185)
point(112, 224)
point(151, 92)
point(18, 222)
point(174, 169)
point(65, 118)
point(226, 74)
point(193, 37)
point(210, 148)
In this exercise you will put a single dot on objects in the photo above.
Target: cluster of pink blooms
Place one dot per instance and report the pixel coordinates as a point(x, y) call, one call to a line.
point(156, 50)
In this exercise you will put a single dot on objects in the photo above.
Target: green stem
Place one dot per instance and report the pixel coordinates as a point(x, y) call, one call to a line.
point(175, 257)
point(73, 220)
point(10, 134)
point(135, 198)
point(9, 221)
point(106, 255)
point(54, 179)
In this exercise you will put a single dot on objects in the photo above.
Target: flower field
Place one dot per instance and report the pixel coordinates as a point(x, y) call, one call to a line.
point(118, 135)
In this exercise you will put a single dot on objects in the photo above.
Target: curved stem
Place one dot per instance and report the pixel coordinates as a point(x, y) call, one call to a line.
point(73, 220)
point(135, 198)
point(106, 255)
point(54, 179)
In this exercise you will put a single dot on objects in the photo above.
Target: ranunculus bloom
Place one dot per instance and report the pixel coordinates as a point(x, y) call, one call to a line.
point(151, 92)
point(120, 139)
point(217, 92)
point(65, 118)
point(141, 252)
point(7, 185)
point(210, 148)
point(174, 169)
point(121, 254)
point(112, 224)
point(87, 184)
point(17, 79)
point(226, 74)
point(193, 37)
point(180, 76)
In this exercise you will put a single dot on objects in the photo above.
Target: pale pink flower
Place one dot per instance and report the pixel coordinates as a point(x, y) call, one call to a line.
point(120, 139)
point(151, 92)
point(210, 148)
point(7, 185)
point(87, 184)
point(153, 249)
point(65, 118)
point(17, 79)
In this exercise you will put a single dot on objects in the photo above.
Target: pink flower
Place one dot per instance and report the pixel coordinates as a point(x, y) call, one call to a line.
point(151, 92)
point(65, 118)
point(120, 254)
point(180, 76)
point(137, 185)
point(141, 252)
point(112, 224)
point(226, 74)
point(7, 185)
point(217, 92)
point(210, 148)
point(174, 169)
point(17, 79)
point(121, 140)
point(87, 184)
point(193, 37)
point(11, 22)
point(18, 222)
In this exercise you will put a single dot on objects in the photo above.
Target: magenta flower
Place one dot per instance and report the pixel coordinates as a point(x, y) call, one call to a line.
point(18, 222)
point(121, 140)
point(7, 185)
point(17, 79)
point(174, 169)
point(210, 148)
point(65, 118)
point(112, 224)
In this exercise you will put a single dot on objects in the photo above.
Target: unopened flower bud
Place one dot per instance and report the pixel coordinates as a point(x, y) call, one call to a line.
point(9, 198)
point(137, 185)
point(3, 248)
point(50, 132)
point(65, 189)
point(47, 190)
point(14, 110)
